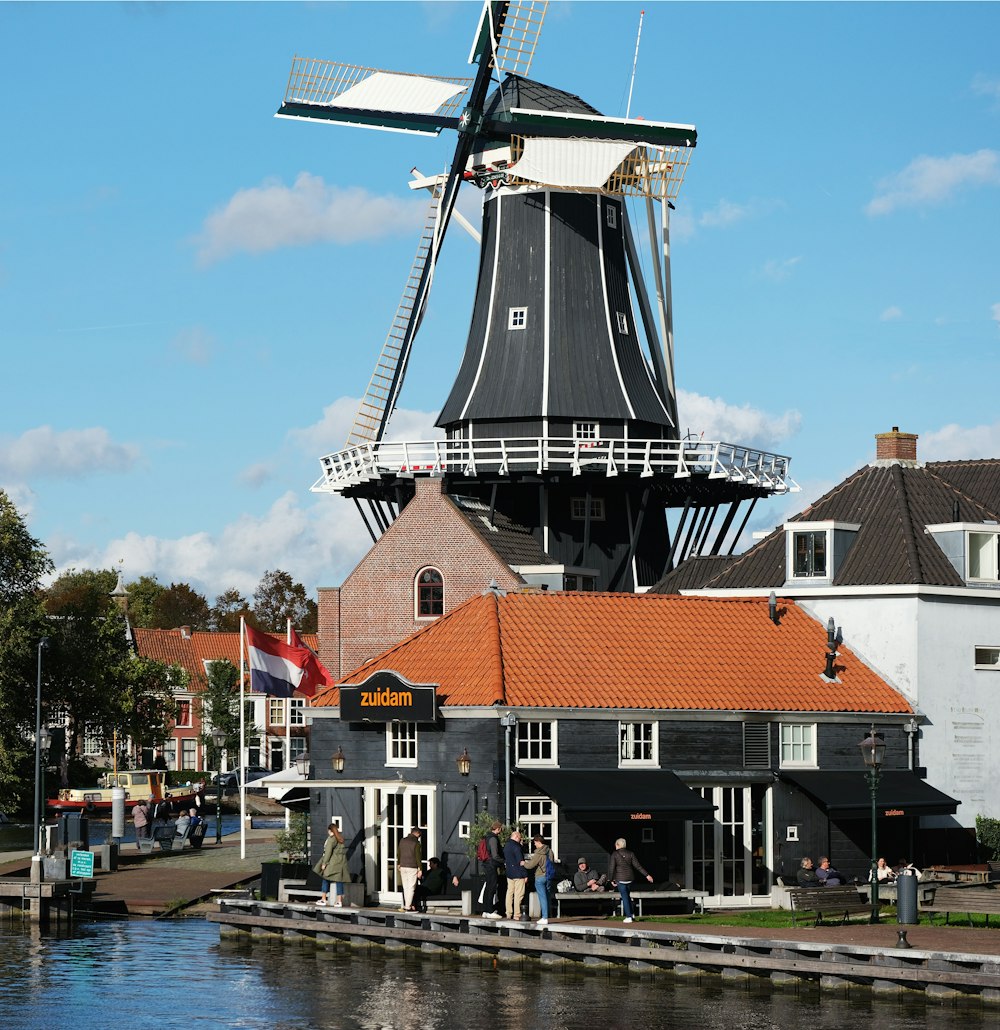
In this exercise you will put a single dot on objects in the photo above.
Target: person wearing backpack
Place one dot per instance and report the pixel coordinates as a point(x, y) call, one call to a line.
point(541, 861)
point(490, 855)
point(622, 870)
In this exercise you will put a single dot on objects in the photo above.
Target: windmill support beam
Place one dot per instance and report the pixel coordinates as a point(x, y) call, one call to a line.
point(677, 536)
point(724, 528)
point(364, 519)
point(743, 525)
point(706, 528)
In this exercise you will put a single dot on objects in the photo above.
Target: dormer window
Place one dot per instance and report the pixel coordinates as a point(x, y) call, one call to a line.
point(517, 318)
point(973, 548)
point(611, 214)
point(815, 550)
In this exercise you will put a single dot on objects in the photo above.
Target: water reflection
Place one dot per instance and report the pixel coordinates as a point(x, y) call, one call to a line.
point(179, 974)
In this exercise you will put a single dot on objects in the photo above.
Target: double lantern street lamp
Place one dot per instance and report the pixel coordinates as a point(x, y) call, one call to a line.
point(873, 754)
point(218, 739)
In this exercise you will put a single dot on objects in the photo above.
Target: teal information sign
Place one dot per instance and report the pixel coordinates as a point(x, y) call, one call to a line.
point(81, 863)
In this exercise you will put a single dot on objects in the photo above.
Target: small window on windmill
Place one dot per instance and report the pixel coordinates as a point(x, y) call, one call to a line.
point(611, 214)
point(518, 318)
point(578, 508)
point(622, 322)
point(586, 430)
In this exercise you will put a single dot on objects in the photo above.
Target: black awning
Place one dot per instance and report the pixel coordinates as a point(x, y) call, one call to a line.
point(620, 795)
point(846, 795)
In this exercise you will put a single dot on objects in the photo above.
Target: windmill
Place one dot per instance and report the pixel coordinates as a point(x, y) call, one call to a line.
point(558, 416)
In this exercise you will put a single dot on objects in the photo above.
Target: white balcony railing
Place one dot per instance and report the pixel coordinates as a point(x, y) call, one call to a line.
point(678, 458)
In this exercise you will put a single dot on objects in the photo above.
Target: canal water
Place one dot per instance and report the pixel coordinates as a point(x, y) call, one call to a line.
point(179, 974)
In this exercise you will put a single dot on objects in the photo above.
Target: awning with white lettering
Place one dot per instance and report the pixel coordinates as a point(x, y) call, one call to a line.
point(846, 795)
point(621, 795)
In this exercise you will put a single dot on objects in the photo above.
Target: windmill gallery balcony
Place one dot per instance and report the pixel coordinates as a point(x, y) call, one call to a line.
point(756, 469)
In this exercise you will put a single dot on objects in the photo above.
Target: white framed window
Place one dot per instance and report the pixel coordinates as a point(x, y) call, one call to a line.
point(983, 557)
point(276, 711)
point(297, 711)
point(93, 740)
point(809, 554)
point(189, 753)
point(401, 744)
point(184, 713)
point(537, 742)
point(798, 745)
point(296, 747)
point(586, 431)
point(338, 821)
point(464, 829)
point(988, 658)
point(517, 318)
point(578, 509)
point(538, 815)
point(611, 216)
point(170, 754)
point(637, 743)
point(622, 322)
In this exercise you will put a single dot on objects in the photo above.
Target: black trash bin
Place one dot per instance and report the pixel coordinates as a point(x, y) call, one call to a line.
point(906, 898)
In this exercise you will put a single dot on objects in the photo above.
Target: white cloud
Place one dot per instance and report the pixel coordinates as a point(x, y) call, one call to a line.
point(995, 313)
point(714, 419)
point(317, 543)
point(331, 431)
point(274, 215)
point(195, 345)
point(891, 314)
point(986, 87)
point(71, 452)
point(931, 180)
point(725, 213)
point(256, 475)
point(778, 271)
point(955, 443)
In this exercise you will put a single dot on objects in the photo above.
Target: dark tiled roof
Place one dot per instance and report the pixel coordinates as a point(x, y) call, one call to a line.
point(893, 504)
point(509, 539)
point(517, 91)
point(693, 573)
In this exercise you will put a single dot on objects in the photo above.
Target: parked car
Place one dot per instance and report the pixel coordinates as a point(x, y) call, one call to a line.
point(231, 780)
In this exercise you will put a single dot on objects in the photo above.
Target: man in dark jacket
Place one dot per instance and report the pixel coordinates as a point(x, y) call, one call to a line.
point(806, 876)
point(494, 863)
point(623, 868)
point(517, 875)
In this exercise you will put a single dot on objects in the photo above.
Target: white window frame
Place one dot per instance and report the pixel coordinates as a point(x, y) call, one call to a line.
point(93, 740)
point(538, 815)
point(797, 737)
point(185, 703)
point(578, 509)
point(627, 740)
point(986, 554)
point(276, 711)
point(622, 319)
point(296, 747)
point(611, 216)
point(189, 749)
point(401, 744)
point(297, 711)
point(587, 432)
point(532, 743)
point(517, 318)
point(987, 656)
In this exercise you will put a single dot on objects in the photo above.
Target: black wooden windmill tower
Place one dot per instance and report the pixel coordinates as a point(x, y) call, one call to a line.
point(563, 413)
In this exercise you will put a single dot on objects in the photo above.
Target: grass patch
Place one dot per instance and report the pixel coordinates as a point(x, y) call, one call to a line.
point(767, 918)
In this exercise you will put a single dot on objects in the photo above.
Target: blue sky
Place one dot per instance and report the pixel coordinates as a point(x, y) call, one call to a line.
point(193, 293)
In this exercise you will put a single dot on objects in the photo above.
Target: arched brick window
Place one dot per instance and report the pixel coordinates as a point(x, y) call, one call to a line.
point(430, 594)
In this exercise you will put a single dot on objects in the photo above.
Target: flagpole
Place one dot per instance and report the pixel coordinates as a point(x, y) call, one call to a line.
point(243, 768)
point(288, 728)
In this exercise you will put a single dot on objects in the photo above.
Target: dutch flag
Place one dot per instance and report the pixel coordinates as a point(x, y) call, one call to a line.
point(276, 668)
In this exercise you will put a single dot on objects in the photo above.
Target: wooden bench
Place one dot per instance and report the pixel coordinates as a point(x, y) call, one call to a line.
point(612, 899)
point(831, 901)
point(981, 900)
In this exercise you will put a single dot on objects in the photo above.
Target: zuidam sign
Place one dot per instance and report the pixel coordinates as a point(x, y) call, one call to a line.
point(387, 697)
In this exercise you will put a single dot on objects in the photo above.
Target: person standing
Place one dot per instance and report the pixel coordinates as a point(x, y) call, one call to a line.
point(537, 861)
point(494, 863)
point(622, 870)
point(332, 867)
point(517, 875)
point(409, 859)
point(140, 817)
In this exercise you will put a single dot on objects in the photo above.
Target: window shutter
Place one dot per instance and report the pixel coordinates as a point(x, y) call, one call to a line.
point(757, 745)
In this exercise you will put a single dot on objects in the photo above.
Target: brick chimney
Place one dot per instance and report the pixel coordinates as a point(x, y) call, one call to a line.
point(896, 447)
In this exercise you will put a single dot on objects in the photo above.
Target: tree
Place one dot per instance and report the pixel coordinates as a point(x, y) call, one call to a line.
point(180, 605)
point(229, 608)
point(142, 596)
point(23, 562)
point(220, 708)
point(278, 599)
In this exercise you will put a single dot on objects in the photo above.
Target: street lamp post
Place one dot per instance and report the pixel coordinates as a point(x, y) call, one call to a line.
point(218, 739)
point(873, 753)
point(36, 860)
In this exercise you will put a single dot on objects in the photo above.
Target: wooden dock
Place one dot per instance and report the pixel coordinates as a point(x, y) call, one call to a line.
point(785, 962)
point(45, 902)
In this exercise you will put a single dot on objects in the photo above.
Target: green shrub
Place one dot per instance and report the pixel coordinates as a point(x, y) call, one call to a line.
point(480, 827)
point(988, 837)
point(294, 841)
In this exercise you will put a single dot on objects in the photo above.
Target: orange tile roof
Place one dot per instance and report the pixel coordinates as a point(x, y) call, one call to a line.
point(192, 651)
point(642, 651)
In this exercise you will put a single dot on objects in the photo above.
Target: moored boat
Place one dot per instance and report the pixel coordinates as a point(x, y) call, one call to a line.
point(139, 785)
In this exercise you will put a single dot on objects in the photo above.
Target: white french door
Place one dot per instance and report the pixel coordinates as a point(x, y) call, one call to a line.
point(394, 812)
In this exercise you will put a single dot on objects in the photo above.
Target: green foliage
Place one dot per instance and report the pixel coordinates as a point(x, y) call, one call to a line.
point(180, 605)
point(23, 562)
point(278, 599)
point(294, 841)
point(480, 827)
point(142, 596)
point(220, 708)
point(229, 608)
point(988, 837)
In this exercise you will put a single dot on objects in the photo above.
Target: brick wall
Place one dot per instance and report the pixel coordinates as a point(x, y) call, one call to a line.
point(374, 608)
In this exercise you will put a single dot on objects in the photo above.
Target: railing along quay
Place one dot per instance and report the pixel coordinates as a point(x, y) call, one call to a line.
point(936, 974)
